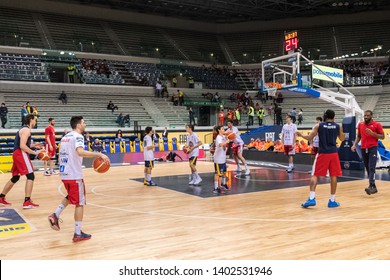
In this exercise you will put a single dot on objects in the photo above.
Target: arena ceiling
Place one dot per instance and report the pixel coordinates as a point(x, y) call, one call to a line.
point(230, 11)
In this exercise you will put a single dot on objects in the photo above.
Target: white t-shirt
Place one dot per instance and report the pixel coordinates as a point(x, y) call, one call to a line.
point(193, 140)
point(238, 139)
point(289, 133)
point(148, 154)
point(70, 161)
point(220, 152)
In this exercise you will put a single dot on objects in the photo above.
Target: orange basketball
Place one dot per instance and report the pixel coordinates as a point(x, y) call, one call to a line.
point(100, 166)
point(43, 156)
point(230, 135)
point(186, 149)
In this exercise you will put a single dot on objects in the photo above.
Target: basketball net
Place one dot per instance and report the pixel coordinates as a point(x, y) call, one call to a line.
point(271, 91)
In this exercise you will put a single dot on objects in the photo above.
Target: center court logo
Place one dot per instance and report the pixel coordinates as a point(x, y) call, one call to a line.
point(12, 224)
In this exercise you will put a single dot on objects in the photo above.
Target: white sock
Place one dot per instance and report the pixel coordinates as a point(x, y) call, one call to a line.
point(332, 197)
point(60, 208)
point(196, 175)
point(77, 228)
point(223, 180)
point(312, 195)
point(246, 166)
point(215, 185)
point(52, 170)
point(238, 166)
point(148, 177)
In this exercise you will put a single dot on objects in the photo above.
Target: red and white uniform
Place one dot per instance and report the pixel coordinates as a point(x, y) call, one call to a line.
point(51, 134)
point(289, 131)
point(238, 143)
point(21, 160)
point(71, 167)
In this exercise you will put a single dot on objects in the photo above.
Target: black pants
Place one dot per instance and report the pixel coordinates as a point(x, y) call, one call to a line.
point(3, 121)
point(260, 121)
point(370, 157)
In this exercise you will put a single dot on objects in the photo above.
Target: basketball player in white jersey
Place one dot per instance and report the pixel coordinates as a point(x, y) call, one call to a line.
point(194, 143)
point(220, 161)
point(71, 157)
point(149, 146)
point(288, 139)
point(238, 147)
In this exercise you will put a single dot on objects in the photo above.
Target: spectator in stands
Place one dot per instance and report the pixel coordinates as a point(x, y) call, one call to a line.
point(97, 146)
point(174, 82)
point(24, 113)
point(208, 95)
point(36, 114)
point(260, 115)
point(252, 144)
point(269, 145)
point(120, 120)
point(165, 133)
point(155, 135)
point(70, 70)
point(126, 120)
point(119, 134)
point(181, 97)
point(304, 147)
point(293, 114)
point(237, 121)
point(221, 117)
point(29, 108)
point(158, 89)
point(251, 114)
point(63, 97)
point(3, 114)
point(278, 115)
point(191, 82)
point(300, 116)
point(191, 115)
point(175, 98)
point(278, 146)
point(216, 97)
point(111, 106)
point(88, 138)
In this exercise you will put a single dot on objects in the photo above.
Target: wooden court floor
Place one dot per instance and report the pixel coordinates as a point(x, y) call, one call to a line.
point(130, 221)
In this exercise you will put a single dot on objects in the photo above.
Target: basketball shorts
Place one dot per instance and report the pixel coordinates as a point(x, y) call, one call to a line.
point(289, 150)
point(52, 153)
point(21, 163)
point(237, 149)
point(192, 160)
point(76, 191)
point(325, 162)
point(220, 168)
point(149, 163)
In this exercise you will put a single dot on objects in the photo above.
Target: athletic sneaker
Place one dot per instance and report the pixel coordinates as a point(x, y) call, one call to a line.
point(3, 202)
point(290, 169)
point(29, 204)
point(238, 170)
point(145, 182)
point(54, 172)
point(247, 172)
point(371, 190)
point(150, 183)
point(309, 172)
point(217, 191)
point(81, 237)
point(309, 202)
point(191, 182)
point(197, 181)
point(53, 220)
point(333, 204)
point(47, 173)
point(225, 187)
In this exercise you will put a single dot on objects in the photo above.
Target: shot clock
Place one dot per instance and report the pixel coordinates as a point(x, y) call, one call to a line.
point(290, 41)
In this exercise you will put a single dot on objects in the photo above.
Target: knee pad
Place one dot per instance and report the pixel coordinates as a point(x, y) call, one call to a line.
point(14, 179)
point(30, 176)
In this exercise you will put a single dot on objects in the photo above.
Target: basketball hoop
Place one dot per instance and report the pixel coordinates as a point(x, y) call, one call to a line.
point(272, 91)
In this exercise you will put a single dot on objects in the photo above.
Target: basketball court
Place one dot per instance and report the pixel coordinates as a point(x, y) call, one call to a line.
point(259, 218)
